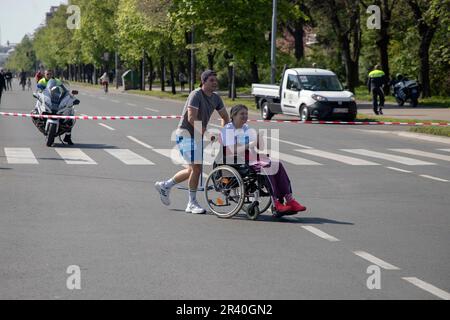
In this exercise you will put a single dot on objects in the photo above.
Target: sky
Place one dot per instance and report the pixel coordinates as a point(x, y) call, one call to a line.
point(19, 17)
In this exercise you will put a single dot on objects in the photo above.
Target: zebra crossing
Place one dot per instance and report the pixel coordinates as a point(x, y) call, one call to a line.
point(310, 157)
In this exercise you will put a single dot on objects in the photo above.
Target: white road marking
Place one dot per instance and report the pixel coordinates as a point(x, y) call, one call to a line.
point(106, 126)
point(433, 178)
point(131, 104)
point(115, 101)
point(274, 155)
point(337, 157)
point(448, 150)
point(20, 156)
point(375, 260)
point(389, 157)
point(428, 287)
point(103, 98)
point(291, 143)
point(320, 233)
point(140, 142)
point(153, 110)
point(400, 170)
point(128, 157)
point(74, 156)
point(423, 154)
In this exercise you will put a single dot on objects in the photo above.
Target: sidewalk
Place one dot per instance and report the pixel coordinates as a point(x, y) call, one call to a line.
point(394, 111)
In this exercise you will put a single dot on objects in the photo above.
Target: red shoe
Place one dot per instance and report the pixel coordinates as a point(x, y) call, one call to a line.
point(281, 208)
point(295, 206)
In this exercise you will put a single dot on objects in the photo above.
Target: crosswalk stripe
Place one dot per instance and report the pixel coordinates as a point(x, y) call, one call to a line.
point(448, 150)
point(74, 156)
point(20, 156)
point(292, 159)
point(423, 154)
point(128, 157)
point(389, 157)
point(337, 157)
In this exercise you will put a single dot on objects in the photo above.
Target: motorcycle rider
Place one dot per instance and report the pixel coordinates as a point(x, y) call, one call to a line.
point(375, 82)
point(41, 85)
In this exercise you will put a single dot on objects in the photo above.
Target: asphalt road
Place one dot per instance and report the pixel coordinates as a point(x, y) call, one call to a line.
point(96, 210)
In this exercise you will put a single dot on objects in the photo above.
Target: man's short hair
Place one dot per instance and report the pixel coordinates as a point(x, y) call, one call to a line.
point(206, 74)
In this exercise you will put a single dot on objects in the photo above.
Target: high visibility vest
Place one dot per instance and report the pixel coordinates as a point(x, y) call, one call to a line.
point(376, 74)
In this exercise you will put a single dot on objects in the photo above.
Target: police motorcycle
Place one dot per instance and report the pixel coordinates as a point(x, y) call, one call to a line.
point(406, 90)
point(55, 99)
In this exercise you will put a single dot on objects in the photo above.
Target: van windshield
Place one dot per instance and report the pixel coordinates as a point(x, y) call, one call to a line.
point(320, 83)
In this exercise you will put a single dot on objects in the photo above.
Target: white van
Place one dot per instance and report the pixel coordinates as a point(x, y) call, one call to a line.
point(308, 93)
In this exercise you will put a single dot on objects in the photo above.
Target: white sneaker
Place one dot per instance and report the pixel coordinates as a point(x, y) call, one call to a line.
point(163, 192)
point(194, 207)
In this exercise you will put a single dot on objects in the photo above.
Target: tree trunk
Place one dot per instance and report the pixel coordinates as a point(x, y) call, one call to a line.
point(211, 56)
point(162, 77)
point(254, 68)
point(424, 75)
point(172, 77)
point(150, 77)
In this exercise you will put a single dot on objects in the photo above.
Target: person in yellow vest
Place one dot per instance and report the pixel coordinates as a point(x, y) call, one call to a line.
point(41, 85)
point(375, 83)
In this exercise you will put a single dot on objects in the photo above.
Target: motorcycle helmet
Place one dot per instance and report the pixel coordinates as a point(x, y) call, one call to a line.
point(399, 77)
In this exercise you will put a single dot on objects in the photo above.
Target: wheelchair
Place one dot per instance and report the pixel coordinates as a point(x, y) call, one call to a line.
point(230, 188)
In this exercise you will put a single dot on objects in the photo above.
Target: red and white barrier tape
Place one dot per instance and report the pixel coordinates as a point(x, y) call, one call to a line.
point(359, 122)
point(385, 123)
point(26, 115)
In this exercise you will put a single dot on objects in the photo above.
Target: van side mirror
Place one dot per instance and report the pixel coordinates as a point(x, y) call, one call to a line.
point(74, 92)
point(76, 102)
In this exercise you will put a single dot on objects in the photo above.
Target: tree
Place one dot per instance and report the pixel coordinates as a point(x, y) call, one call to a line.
point(344, 16)
point(427, 15)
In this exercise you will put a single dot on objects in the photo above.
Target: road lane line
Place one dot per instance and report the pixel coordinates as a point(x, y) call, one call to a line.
point(140, 142)
point(433, 178)
point(74, 156)
point(291, 143)
point(389, 157)
point(448, 150)
point(115, 101)
point(128, 157)
point(20, 156)
point(428, 287)
point(107, 127)
point(423, 154)
point(375, 260)
point(131, 104)
point(153, 110)
point(320, 233)
point(337, 157)
point(292, 159)
point(400, 170)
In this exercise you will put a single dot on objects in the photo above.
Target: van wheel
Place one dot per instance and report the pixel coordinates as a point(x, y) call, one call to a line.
point(304, 114)
point(266, 114)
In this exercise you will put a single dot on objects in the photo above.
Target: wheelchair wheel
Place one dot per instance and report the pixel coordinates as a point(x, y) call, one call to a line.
point(224, 191)
point(265, 201)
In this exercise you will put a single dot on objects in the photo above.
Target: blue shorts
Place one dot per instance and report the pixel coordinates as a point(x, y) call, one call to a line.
point(189, 150)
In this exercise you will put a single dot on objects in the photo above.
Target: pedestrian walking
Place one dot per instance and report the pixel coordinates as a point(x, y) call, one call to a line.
point(375, 83)
point(199, 107)
point(2, 84)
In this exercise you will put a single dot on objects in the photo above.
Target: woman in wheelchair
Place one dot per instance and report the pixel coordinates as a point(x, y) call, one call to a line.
point(240, 141)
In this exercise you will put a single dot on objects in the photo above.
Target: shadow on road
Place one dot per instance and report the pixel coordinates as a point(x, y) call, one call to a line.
point(84, 146)
point(286, 219)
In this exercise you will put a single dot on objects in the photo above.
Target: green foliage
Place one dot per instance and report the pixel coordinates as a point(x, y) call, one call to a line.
point(23, 57)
